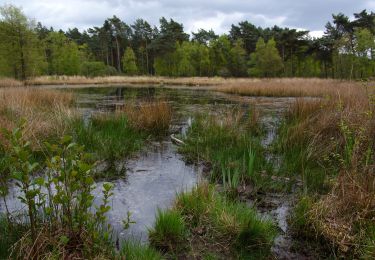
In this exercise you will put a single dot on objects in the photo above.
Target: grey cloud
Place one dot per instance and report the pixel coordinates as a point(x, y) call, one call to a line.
point(218, 14)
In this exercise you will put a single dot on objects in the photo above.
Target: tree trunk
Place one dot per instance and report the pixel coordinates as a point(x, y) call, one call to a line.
point(118, 56)
point(22, 58)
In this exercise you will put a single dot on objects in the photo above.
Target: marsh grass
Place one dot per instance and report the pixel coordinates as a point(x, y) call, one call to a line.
point(10, 83)
point(231, 148)
point(47, 112)
point(153, 117)
point(155, 80)
point(289, 87)
point(329, 145)
point(109, 137)
point(221, 226)
point(169, 233)
point(138, 251)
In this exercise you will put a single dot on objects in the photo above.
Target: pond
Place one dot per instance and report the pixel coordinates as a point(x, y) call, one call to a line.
point(157, 173)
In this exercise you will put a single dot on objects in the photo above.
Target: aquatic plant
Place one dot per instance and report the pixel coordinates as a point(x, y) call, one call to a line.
point(225, 145)
point(109, 137)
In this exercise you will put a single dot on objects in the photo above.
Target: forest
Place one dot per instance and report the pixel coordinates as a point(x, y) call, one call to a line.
point(30, 49)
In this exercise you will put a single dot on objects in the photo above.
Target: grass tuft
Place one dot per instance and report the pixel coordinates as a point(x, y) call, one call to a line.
point(152, 116)
point(169, 232)
point(137, 251)
point(222, 226)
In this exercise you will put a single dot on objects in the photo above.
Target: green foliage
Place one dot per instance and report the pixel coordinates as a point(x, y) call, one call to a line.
point(129, 62)
point(61, 201)
point(169, 232)
point(21, 55)
point(266, 59)
point(65, 55)
point(345, 51)
point(23, 170)
point(220, 55)
point(96, 68)
point(237, 62)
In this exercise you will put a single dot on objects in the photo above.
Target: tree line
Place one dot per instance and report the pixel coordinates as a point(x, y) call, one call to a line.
point(27, 49)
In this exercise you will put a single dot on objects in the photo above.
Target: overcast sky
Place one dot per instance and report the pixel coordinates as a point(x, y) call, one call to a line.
point(194, 14)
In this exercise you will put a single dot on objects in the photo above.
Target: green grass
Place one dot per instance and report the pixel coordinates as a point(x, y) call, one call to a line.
point(233, 150)
point(298, 164)
point(9, 234)
point(136, 251)
point(216, 226)
point(109, 137)
point(169, 232)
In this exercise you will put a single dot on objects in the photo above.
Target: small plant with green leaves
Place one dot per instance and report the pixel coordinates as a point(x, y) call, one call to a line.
point(60, 204)
point(127, 221)
point(4, 181)
point(23, 170)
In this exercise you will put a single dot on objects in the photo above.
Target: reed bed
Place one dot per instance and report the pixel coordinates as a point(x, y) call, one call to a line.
point(289, 87)
point(9, 83)
point(155, 80)
point(150, 116)
point(45, 111)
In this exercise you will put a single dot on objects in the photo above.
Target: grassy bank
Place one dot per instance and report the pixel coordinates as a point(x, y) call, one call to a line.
point(328, 145)
point(203, 223)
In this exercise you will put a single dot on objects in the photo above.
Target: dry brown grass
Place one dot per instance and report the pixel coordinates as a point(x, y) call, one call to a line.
point(288, 87)
point(45, 111)
point(78, 80)
point(151, 116)
point(9, 83)
point(341, 216)
point(340, 131)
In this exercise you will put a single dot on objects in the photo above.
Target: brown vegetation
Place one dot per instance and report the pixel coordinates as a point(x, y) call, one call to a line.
point(288, 87)
point(9, 82)
point(339, 132)
point(151, 116)
point(78, 80)
point(45, 111)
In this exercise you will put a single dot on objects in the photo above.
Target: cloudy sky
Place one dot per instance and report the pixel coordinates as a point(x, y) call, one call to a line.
point(194, 14)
